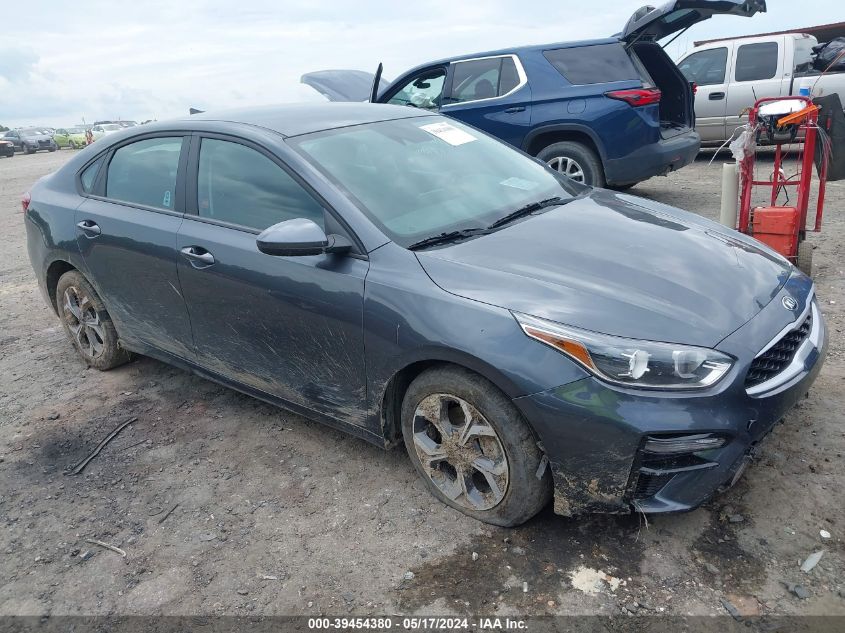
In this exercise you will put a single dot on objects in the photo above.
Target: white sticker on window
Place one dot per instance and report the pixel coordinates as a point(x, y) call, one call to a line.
point(166, 201)
point(449, 133)
point(519, 183)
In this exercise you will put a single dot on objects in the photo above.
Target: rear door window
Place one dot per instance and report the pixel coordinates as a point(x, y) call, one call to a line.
point(239, 185)
point(477, 79)
point(706, 68)
point(601, 63)
point(756, 61)
point(144, 172)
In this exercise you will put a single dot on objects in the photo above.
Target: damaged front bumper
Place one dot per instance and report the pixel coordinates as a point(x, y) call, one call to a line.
point(606, 445)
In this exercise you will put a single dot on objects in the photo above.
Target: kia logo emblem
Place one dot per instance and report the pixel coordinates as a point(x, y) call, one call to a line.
point(789, 303)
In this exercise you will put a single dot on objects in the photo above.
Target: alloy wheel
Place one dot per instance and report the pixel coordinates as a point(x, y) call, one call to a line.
point(84, 323)
point(567, 166)
point(460, 451)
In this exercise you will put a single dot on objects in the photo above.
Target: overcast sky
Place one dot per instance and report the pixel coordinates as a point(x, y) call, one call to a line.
point(63, 60)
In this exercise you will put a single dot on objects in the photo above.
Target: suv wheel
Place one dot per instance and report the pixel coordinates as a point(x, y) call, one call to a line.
point(472, 447)
point(576, 160)
point(87, 323)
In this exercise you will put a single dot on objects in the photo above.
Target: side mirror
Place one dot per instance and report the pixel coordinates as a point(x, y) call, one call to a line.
point(298, 237)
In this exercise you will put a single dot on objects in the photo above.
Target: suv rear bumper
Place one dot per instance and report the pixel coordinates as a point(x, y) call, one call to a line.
point(656, 159)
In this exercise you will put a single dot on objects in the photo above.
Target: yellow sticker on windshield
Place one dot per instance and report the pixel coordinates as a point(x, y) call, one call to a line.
point(449, 133)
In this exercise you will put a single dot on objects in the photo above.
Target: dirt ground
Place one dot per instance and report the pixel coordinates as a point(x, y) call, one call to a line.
point(275, 514)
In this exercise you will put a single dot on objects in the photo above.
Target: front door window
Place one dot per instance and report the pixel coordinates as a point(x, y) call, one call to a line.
point(423, 91)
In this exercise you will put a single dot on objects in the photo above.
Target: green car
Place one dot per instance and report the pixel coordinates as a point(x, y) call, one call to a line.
point(73, 137)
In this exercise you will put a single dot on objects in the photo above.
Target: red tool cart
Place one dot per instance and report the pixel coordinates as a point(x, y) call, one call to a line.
point(783, 227)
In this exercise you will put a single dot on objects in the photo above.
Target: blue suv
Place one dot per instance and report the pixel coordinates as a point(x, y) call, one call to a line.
point(609, 112)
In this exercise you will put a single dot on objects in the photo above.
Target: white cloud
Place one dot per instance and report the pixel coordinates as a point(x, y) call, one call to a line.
point(99, 59)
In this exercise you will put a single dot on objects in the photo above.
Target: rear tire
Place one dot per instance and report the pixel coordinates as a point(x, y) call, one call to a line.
point(804, 258)
point(87, 323)
point(576, 160)
point(472, 447)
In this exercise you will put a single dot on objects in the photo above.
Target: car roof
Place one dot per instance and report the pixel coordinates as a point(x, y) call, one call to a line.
point(515, 50)
point(303, 118)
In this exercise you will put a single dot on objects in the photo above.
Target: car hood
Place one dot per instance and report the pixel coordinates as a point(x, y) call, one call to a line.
point(620, 265)
point(36, 137)
point(343, 85)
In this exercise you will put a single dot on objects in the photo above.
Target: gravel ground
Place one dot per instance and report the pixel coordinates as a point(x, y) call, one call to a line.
point(275, 514)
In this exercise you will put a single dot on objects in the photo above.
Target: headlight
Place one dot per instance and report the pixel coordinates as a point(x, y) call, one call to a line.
point(629, 362)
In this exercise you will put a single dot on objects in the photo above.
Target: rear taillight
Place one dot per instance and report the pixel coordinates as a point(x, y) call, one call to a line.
point(25, 200)
point(637, 97)
point(694, 88)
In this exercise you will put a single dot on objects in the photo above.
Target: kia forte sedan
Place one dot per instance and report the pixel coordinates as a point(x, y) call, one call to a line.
point(408, 279)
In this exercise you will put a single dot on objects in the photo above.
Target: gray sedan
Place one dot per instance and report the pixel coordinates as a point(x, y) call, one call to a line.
point(409, 279)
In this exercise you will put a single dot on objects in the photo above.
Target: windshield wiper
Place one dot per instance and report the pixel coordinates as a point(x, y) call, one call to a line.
point(451, 236)
point(529, 209)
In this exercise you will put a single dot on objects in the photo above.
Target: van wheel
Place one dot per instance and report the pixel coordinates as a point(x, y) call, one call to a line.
point(576, 160)
point(804, 258)
point(472, 447)
point(87, 323)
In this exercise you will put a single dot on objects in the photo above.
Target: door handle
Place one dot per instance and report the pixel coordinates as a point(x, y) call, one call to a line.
point(716, 96)
point(89, 227)
point(198, 254)
point(515, 109)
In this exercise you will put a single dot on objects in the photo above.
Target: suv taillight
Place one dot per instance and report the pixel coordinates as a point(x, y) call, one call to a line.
point(25, 200)
point(636, 97)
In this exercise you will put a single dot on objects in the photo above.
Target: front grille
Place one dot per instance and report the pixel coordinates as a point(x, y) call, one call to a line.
point(779, 355)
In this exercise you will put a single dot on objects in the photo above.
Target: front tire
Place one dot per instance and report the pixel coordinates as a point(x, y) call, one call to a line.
point(576, 160)
point(87, 323)
point(472, 447)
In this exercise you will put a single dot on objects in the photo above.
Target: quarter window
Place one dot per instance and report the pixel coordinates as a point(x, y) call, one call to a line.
point(483, 79)
point(706, 68)
point(595, 64)
point(423, 91)
point(756, 61)
point(89, 175)
point(238, 185)
point(145, 172)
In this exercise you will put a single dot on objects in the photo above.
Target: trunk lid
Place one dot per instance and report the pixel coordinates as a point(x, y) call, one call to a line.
point(654, 23)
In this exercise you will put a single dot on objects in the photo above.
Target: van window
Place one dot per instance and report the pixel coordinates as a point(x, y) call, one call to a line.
point(756, 61)
point(483, 79)
point(706, 68)
point(596, 64)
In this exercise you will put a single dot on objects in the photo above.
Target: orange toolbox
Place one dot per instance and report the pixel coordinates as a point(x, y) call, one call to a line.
point(777, 227)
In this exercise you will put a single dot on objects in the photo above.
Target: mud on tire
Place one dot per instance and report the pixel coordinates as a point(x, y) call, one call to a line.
point(472, 447)
point(87, 323)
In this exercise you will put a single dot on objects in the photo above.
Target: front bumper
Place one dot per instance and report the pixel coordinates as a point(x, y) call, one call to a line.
point(594, 433)
point(656, 159)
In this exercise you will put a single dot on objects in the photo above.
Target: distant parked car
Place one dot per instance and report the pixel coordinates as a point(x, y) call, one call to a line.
point(73, 137)
point(125, 124)
point(104, 129)
point(31, 140)
point(7, 148)
point(613, 111)
point(732, 74)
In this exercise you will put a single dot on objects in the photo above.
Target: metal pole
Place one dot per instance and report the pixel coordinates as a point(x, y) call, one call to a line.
point(730, 194)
